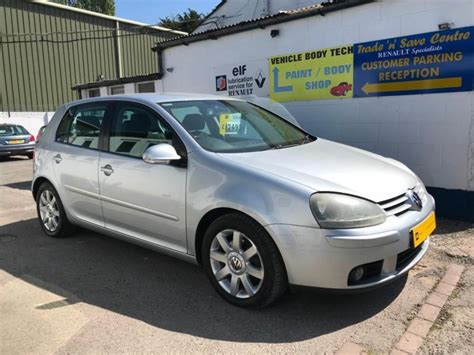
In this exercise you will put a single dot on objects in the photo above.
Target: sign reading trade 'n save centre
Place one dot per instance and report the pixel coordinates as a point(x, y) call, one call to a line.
point(432, 62)
point(313, 75)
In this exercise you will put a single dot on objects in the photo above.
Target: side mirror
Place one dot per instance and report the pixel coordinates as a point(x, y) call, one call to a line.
point(160, 154)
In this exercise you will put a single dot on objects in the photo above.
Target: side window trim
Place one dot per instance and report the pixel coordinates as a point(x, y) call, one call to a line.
point(107, 126)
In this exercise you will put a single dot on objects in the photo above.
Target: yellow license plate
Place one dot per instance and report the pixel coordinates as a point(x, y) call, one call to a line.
point(16, 141)
point(423, 230)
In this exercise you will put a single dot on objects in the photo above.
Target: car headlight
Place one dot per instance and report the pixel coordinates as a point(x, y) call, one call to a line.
point(420, 189)
point(333, 210)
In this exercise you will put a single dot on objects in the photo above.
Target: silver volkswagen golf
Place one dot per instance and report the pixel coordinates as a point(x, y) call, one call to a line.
point(254, 199)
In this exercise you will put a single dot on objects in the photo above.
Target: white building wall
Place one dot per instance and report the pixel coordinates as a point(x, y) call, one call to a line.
point(32, 121)
point(433, 134)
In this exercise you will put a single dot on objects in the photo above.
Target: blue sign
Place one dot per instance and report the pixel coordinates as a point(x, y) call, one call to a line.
point(441, 61)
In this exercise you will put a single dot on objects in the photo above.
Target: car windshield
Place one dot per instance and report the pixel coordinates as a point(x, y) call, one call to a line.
point(229, 126)
point(12, 130)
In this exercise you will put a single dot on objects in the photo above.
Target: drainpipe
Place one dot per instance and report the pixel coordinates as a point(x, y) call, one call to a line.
point(118, 51)
point(159, 53)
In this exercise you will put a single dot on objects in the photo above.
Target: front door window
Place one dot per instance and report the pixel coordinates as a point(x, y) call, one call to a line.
point(135, 129)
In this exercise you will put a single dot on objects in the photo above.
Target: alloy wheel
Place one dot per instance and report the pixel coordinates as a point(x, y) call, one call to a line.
point(49, 211)
point(236, 263)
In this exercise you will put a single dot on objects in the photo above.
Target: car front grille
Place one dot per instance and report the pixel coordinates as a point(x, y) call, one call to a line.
point(396, 206)
point(407, 256)
point(399, 205)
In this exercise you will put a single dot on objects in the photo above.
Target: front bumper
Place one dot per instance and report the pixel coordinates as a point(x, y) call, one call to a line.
point(324, 258)
point(8, 150)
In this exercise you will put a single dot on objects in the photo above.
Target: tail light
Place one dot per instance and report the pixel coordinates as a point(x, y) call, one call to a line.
point(32, 138)
point(40, 133)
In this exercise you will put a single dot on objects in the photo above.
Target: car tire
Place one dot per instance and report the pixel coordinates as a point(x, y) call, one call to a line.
point(30, 155)
point(51, 214)
point(248, 274)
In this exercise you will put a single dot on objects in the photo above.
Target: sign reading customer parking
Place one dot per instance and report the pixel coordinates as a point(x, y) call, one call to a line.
point(313, 75)
point(433, 62)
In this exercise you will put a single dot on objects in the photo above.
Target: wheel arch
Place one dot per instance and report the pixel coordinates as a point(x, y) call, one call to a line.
point(206, 221)
point(37, 183)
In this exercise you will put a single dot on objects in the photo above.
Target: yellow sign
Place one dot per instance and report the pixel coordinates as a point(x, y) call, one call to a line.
point(422, 231)
point(229, 123)
point(223, 119)
point(313, 75)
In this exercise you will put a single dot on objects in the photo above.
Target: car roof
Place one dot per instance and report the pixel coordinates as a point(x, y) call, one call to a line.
point(157, 97)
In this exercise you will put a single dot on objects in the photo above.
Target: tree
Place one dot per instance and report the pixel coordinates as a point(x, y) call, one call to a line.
point(106, 7)
point(186, 22)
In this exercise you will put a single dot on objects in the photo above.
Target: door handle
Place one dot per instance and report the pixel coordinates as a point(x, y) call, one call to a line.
point(57, 158)
point(107, 170)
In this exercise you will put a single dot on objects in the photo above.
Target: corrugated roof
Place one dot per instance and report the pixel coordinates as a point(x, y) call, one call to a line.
point(304, 9)
point(263, 21)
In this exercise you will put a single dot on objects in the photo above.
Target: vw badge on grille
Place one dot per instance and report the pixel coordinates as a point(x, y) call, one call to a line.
point(414, 200)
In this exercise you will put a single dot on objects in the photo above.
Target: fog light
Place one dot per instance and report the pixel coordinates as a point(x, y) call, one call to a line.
point(356, 274)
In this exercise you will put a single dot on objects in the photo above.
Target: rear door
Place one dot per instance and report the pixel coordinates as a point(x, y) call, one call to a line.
point(76, 158)
point(142, 200)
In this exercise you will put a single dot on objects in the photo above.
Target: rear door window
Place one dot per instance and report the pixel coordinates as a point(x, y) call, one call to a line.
point(81, 126)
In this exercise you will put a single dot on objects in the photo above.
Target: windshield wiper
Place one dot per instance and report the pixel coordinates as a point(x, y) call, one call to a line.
point(306, 139)
point(280, 146)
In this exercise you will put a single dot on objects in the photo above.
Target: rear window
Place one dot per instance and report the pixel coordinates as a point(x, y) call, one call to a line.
point(12, 130)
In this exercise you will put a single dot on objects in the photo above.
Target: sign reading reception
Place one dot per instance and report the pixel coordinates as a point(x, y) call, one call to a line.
point(441, 61)
point(313, 75)
point(433, 62)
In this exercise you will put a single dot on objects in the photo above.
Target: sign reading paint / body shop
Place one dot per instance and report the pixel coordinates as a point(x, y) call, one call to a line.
point(319, 74)
point(432, 62)
point(441, 61)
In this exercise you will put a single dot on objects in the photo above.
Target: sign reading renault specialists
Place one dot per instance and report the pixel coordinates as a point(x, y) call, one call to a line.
point(441, 61)
point(313, 75)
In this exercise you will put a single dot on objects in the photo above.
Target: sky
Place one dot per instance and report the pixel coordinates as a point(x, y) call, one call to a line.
point(150, 11)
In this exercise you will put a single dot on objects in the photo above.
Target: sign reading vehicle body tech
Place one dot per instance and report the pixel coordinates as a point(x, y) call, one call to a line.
point(441, 61)
point(313, 75)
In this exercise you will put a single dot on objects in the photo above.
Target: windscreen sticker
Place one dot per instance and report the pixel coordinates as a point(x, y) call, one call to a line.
point(229, 123)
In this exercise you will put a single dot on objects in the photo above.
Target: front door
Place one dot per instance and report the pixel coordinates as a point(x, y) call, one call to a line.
point(142, 200)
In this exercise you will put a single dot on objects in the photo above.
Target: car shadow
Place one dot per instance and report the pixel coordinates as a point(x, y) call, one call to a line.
point(171, 294)
point(449, 226)
point(13, 158)
point(24, 185)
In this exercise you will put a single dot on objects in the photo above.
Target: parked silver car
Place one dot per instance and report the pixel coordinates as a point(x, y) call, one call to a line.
point(255, 200)
point(16, 140)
